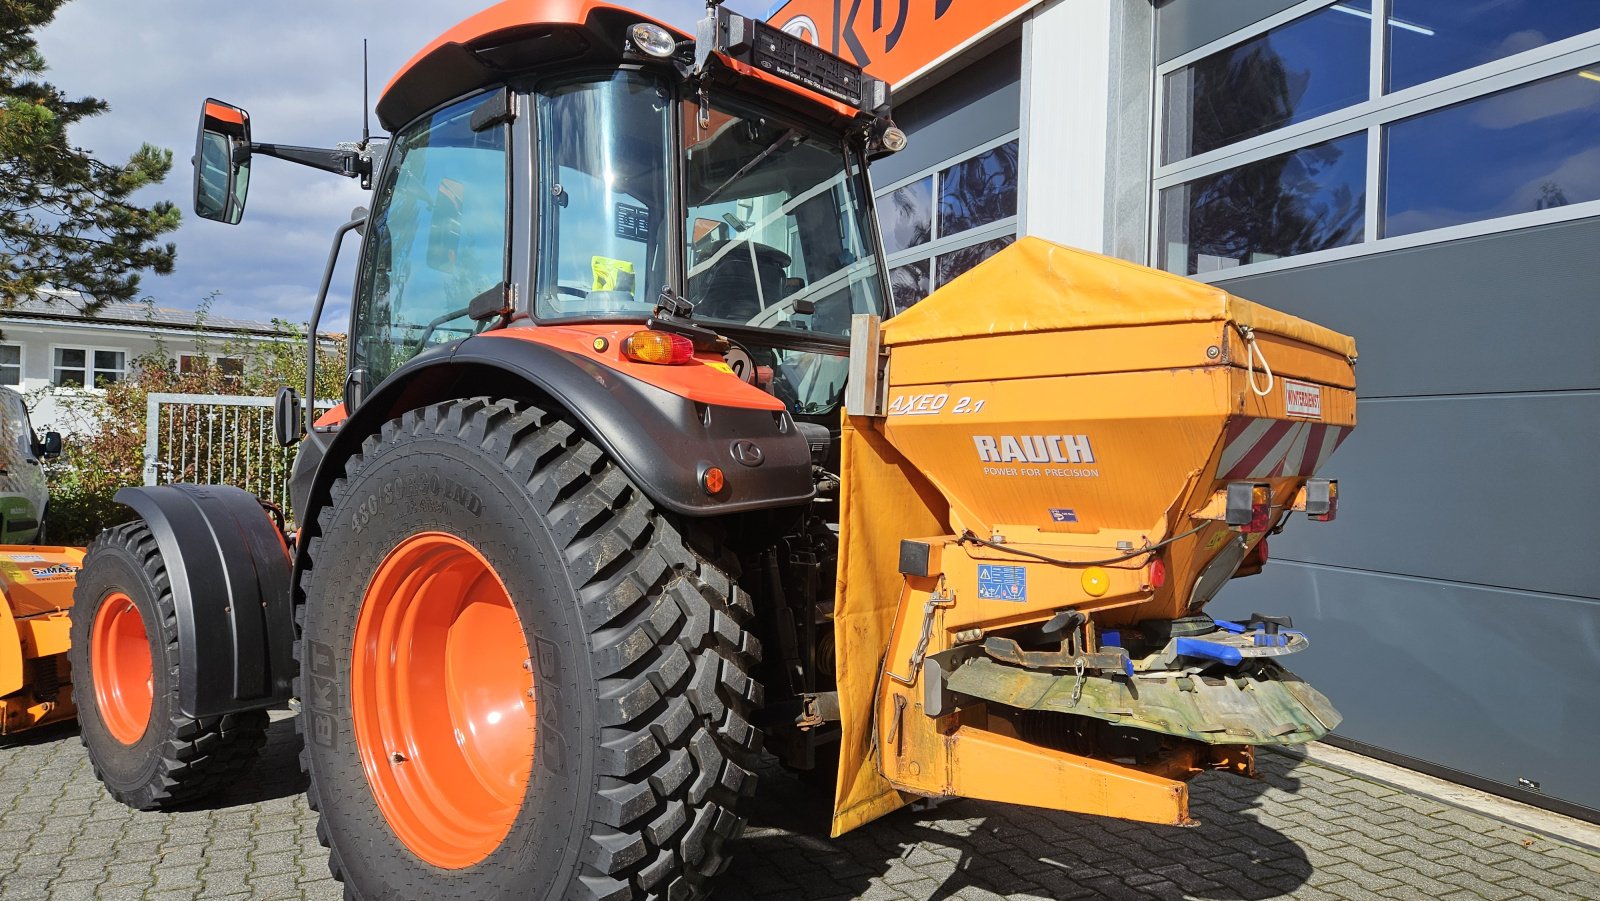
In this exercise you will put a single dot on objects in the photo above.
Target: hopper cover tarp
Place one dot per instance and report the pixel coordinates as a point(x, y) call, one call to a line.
point(1035, 285)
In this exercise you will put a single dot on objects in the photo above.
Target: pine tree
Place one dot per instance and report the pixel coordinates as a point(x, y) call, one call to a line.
point(66, 219)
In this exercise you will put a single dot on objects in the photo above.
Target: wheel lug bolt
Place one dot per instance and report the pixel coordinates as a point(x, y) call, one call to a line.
point(527, 665)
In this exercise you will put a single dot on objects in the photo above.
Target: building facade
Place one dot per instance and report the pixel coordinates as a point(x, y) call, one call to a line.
point(58, 357)
point(1421, 174)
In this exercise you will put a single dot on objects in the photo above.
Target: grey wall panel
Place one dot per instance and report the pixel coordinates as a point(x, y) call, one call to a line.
point(1495, 683)
point(972, 106)
point(1128, 136)
point(1494, 489)
point(1518, 311)
point(1183, 25)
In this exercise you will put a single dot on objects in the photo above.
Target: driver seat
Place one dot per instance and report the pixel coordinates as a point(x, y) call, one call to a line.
point(728, 290)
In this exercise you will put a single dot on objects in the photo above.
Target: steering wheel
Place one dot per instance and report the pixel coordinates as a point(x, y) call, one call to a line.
point(575, 292)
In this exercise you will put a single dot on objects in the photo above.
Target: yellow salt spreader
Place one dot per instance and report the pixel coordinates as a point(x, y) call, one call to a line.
point(1051, 466)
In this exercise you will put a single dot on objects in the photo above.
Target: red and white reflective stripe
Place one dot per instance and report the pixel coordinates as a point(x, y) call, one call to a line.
point(1277, 448)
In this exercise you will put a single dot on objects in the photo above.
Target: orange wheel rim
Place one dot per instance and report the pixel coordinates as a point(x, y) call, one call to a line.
point(443, 697)
point(119, 655)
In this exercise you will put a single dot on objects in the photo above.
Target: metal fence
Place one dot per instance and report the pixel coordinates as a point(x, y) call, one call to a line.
point(217, 439)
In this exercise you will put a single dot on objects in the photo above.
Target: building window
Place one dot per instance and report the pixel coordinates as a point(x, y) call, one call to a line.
point(1293, 145)
point(1293, 203)
point(952, 264)
point(230, 368)
point(11, 364)
point(1526, 149)
point(71, 367)
point(1298, 71)
point(909, 284)
point(907, 216)
point(978, 191)
point(109, 366)
point(946, 219)
point(1429, 39)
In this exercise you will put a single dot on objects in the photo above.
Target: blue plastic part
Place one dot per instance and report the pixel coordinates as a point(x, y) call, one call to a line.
point(1226, 626)
point(1127, 666)
point(1111, 639)
point(1210, 650)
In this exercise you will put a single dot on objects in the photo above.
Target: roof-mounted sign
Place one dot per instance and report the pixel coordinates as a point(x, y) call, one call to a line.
point(896, 40)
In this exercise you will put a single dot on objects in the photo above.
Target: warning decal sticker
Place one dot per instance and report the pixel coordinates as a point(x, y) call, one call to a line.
point(1002, 583)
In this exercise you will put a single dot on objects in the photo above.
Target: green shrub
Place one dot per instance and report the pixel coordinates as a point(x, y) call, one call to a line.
point(93, 467)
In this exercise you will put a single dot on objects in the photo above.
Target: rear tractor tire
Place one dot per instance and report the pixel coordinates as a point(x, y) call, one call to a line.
point(124, 659)
point(518, 678)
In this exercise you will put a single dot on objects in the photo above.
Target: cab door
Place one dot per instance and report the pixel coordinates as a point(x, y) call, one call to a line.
point(23, 491)
point(435, 240)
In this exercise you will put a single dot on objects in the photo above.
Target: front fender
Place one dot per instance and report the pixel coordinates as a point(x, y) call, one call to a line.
point(230, 588)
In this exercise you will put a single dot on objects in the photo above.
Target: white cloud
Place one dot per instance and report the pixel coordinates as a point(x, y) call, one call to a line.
point(296, 66)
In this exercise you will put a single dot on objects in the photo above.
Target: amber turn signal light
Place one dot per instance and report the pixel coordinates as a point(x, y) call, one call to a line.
point(1249, 506)
point(651, 346)
point(1322, 499)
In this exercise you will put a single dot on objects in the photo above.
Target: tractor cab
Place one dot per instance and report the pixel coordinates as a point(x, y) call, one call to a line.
point(578, 163)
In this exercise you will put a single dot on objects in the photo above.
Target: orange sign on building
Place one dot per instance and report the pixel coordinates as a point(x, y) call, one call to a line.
point(894, 39)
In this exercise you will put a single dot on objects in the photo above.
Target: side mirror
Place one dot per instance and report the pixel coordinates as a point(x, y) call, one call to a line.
point(221, 162)
point(51, 448)
point(288, 417)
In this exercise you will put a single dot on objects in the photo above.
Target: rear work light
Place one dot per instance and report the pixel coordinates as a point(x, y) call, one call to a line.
point(651, 346)
point(1319, 499)
point(1249, 506)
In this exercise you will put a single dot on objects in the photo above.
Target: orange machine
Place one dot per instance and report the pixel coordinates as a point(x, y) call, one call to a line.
point(1080, 452)
point(34, 634)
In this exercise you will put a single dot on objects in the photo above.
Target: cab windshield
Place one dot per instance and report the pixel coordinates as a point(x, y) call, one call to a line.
point(776, 220)
point(777, 224)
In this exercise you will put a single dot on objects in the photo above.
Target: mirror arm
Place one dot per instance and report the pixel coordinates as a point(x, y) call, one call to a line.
point(339, 162)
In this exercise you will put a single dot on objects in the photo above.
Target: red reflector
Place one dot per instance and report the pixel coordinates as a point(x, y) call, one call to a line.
point(1158, 574)
point(1260, 509)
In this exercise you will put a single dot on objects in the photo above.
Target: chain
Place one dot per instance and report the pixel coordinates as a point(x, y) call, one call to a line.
point(1078, 667)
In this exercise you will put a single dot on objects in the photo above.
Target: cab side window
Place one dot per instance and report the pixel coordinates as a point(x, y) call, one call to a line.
point(436, 239)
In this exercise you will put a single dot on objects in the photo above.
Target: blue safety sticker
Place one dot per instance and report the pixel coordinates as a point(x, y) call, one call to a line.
point(1002, 583)
point(1057, 514)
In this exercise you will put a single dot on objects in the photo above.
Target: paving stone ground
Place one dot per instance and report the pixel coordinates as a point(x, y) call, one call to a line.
point(1303, 831)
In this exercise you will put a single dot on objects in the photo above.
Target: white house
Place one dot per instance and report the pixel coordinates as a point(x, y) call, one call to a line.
point(55, 354)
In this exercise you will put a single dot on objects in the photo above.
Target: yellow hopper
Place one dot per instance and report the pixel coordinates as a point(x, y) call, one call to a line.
point(1051, 465)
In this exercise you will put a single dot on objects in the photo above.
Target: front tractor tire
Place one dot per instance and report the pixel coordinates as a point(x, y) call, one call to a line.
point(124, 659)
point(518, 678)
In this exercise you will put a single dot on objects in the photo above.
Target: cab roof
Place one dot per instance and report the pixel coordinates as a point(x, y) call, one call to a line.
point(511, 38)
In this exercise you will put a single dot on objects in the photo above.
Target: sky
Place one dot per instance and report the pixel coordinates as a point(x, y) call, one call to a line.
point(295, 66)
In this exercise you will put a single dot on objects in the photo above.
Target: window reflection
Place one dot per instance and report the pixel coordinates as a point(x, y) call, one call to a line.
point(954, 263)
point(1516, 151)
point(1297, 71)
point(1432, 38)
point(1293, 203)
point(979, 190)
point(906, 216)
point(909, 284)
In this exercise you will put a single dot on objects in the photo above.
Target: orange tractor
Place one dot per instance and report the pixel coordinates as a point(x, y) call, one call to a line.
point(633, 479)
